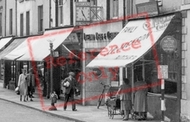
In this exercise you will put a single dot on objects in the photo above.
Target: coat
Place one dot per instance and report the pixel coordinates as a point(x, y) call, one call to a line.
point(125, 94)
point(72, 85)
point(23, 84)
point(140, 102)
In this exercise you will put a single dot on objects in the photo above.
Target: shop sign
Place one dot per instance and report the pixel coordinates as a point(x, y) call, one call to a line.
point(163, 72)
point(100, 36)
point(168, 44)
point(151, 8)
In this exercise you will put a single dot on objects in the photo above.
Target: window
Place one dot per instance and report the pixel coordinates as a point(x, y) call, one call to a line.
point(40, 18)
point(28, 23)
point(11, 21)
point(1, 24)
point(21, 25)
point(112, 9)
point(60, 11)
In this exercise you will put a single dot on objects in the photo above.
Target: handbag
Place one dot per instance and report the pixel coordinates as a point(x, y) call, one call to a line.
point(17, 90)
point(77, 91)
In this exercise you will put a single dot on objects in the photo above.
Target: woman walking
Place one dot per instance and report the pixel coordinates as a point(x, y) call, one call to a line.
point(140, 103)
point(23, 85)
point(125, 93)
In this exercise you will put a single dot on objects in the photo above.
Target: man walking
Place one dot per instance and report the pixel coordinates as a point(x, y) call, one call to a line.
point(70, 84)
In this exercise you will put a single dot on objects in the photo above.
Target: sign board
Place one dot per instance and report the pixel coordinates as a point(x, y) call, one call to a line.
point(151, 8)
point(168, 44)
point(163, 72)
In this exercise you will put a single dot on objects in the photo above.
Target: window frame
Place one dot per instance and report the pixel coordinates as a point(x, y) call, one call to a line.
point(21, 24)
point(28, 23)
point(40, 18)
point(11, 21)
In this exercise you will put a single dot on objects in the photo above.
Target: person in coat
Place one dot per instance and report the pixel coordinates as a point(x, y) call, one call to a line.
point(125, 96)
point(70, 84)
point(31, 84)
point(23, 85)
point(140, 102)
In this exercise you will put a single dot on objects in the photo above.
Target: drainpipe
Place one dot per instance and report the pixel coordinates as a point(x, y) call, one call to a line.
point(56, 13)
point(5, 16)
point(15, 17)
point(124, 14)
point(49, 13)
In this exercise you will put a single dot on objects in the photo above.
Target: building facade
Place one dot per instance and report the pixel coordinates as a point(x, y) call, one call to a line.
point(30, 17)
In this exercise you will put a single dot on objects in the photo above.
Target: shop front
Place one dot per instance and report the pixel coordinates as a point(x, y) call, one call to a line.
point(139, 49)
point(95, 38)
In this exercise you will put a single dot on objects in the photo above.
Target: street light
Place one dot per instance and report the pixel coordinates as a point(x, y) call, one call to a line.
point(53, 95)
point(51, 66)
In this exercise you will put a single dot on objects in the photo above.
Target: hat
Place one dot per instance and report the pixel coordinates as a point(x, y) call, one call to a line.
point(71, 73)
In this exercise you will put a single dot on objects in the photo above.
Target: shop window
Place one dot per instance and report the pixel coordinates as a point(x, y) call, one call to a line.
point(40, 18)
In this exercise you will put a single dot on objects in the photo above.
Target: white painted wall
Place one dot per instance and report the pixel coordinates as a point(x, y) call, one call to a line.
point(185, 102)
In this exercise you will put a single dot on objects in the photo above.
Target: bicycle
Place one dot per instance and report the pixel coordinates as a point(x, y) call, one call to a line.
point(101, 95)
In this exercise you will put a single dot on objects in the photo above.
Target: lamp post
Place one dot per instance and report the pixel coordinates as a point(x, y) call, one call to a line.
point(53, 95)
point(51, 67)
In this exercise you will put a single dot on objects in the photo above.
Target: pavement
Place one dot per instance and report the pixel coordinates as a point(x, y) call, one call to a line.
point(84, 113)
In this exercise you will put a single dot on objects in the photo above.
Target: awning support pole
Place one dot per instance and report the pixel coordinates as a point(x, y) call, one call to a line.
point(132, 83)
point(120, 75)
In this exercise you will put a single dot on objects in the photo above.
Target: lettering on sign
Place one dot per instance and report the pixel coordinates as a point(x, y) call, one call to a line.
point(129, 29)
point(126, 57)
point(168, 44)
point(163, 72)
point(158, 23)
point(126, 46)
point(100, 36)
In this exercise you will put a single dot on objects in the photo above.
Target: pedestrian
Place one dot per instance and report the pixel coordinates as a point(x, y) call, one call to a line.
point(70, 85)
point(23, 85)
point(140, 102)
point(31, 84)
point(125, 96)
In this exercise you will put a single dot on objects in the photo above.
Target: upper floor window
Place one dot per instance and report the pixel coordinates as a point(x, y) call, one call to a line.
point(28, 23)
point(93, 2)
point(10, 21)
point(112, 9)
point(1, 24)
point(21, 25)
point(60, 12)
point(40, 18)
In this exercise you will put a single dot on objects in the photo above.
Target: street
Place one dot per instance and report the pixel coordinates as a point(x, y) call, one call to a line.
point(11, 112)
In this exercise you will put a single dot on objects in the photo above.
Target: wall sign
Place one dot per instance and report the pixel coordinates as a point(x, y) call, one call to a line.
point(100, 36)
point(151, 8)
point(168, 44)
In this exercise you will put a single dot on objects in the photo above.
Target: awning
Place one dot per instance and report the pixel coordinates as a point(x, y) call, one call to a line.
point(16, 42)
point(134, 40)
point(17, 51)
point(4, 41)
point(38, 47)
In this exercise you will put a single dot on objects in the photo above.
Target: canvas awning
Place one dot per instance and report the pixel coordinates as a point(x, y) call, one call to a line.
point(15, 43)
point(4, 41)
point(38, 47)
point(134, 40)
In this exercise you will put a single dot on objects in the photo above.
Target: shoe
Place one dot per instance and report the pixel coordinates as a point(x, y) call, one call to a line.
point(125, 119)
point(31, 100)
point(74, 109)
point(64, 109)
point(24, 100)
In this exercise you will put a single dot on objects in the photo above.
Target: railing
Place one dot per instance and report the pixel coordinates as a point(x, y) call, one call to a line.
point(96, 13)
